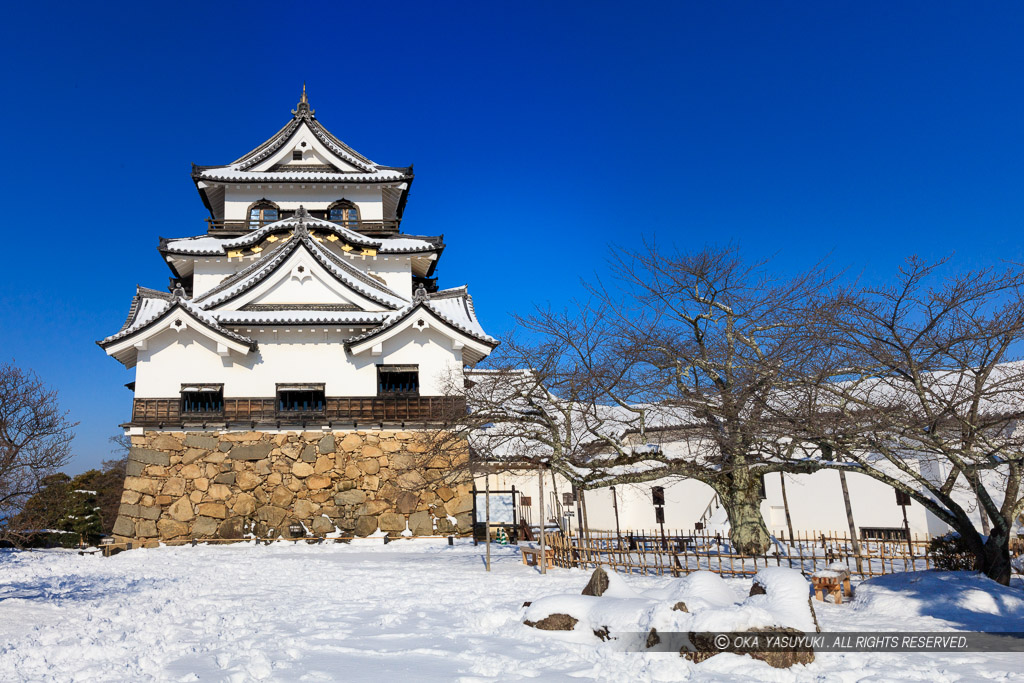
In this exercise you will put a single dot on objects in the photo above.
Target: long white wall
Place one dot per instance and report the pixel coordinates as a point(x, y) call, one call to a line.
point(294, 354)
point(315, 196)
point(815, 503)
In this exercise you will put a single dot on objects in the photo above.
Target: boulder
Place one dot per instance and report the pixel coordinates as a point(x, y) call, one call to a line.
point(143, 485)
point(421, 523)
point(316, 482)
point(392, 521)
point(271, 515)
point(192, 471)
point(231, 528)
point(555, 622)
point(370, 482)
point(407, 502)
point(322, 525)
point(256, 451)
point(282, 497)
point(150, 511)
point(246, 480)
point(145, 528)
point(218, 510)
point(134, 469)
point(309, 453)
point(304, 509)
point(302, 469)
point(352, 497)
point(703, 647)
point(227, 478)
point(181, 510)
point(198, 441)
point(365, 525)
point(175, 486)
point(351, 442)
point(205, 527)
point(169, 528)
point(148, 456)
point(166, 442)
point(445, 526)
point(326, 444)
point(323, 464)
point(369, 465)
point(458, 505)
point(402, 462)
point(218, 492)
point(372, 452)
point(597, 584)
point(411, 480)
point(373, 507)
point(244, 505)
point(124, 526)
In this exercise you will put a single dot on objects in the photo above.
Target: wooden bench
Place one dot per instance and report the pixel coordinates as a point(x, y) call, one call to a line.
point(835, 583)
point(532, 555)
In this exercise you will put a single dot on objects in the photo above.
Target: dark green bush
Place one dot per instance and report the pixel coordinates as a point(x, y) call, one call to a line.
point(950, 553)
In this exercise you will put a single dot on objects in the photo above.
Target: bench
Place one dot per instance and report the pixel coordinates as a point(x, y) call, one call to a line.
point(532, 555)
point(835, 583)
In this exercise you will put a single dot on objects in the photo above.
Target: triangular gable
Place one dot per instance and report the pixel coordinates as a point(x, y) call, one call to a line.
point(358, 287)
point(300, 279)
point(315, 152)
point(179, 316)
point(422, 317)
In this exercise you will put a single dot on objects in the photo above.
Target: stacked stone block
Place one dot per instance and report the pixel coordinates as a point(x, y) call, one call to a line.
point(181, 486)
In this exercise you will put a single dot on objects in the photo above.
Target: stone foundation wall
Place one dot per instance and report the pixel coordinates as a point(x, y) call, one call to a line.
point(205, 485)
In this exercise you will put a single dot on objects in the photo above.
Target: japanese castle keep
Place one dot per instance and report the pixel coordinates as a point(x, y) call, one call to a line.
point(295, 367)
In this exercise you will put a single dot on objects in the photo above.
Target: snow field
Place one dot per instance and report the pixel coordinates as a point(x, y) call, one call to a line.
point(412, 611)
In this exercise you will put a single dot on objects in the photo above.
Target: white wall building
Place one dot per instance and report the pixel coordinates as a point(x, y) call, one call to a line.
point(303, 305)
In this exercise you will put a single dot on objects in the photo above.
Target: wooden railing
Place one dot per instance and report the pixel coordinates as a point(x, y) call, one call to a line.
point(217, 225)
point(343, 409)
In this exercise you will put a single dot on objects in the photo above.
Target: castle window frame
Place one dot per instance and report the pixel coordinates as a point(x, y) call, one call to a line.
point(296, 155)
point(198, 400)
point(398, 380)
point(261, 213)
point(301, 400)
point(343, 212)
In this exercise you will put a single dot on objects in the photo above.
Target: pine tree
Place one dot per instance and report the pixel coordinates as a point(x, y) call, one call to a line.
point(82, 518)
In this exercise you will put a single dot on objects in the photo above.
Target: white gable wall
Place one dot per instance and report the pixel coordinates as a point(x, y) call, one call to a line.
point(294, 354)
point(313, 196)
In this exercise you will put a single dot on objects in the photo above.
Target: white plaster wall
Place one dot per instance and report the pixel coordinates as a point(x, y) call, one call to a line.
point(295, 354)
point(396, 271)
point(815, 501)
point(314, 196)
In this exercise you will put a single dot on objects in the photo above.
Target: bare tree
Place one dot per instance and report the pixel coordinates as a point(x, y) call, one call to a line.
point(35, 441)
point(928, 397)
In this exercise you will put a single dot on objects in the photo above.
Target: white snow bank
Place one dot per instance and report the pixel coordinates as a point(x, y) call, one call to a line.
point(787, 598)
point(967, 600)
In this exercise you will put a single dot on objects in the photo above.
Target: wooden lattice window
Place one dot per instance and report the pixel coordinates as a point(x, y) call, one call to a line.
point(263, 212)
point(398, 380)
point(343, 212)
point(202, 399)
point(300, 399)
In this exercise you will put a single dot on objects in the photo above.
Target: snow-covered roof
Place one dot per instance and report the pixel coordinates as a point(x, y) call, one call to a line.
point(352, 277)
point(297, 316)
point(303, 118)
point(205, 245)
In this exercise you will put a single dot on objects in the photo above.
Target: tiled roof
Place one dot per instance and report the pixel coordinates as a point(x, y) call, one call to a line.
point(153, 310)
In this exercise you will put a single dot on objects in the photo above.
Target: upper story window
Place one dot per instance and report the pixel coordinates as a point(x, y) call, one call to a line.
point(202, 398)
point(398, 380)
point(301, 398)
point(297, 155)
point(344, 212)
point(261, 213)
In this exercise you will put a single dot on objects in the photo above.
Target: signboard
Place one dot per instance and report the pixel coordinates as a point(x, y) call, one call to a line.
point(502, 508)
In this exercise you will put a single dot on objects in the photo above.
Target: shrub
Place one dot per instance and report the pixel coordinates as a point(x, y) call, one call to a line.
point(950, 553)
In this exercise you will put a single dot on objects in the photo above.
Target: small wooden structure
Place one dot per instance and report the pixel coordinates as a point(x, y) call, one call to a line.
point(531, 555)
point(834, 582)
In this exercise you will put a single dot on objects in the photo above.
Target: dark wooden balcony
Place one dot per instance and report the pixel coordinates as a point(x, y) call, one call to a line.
point(341, 410)
point(227, 228)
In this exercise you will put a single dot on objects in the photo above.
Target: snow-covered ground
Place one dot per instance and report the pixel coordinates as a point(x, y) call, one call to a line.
point(410, 611)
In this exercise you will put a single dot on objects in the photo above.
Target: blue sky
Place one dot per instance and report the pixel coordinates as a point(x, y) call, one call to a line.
point(541, 134)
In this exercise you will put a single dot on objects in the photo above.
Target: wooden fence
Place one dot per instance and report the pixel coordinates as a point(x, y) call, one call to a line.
point(676, 553)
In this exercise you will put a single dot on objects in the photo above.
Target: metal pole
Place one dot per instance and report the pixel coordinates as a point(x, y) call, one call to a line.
point(543, 551)
point(487, 517)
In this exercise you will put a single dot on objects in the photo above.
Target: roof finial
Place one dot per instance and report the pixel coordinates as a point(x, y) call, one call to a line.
point(302, 108)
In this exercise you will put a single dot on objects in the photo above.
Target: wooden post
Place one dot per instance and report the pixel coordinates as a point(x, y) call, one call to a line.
point(785, 503)
point(543, 549)
point(487, 516)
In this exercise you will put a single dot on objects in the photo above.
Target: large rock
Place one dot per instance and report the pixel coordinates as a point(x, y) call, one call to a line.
point(365, 525)
point(181, 510)
point(149, 456)
point(170, 528)
point(369, 465)
point(304, 509)
point(373, 507)
point(143, 485)
point(205, 527)
point(134, 469)
point(218, 510)
point(421, 523)
point(458, 505)
point(411, 480)
point(230, 528)
point(150, 511)
point(372, 452)
point(554, 622)
point(166, 442)
point(218, 492)
point(407, 502)
point(273, 516)
point(192, 471)
point(352, 497)
point(193, 454)
point(245, 505)
point(246, 480)
point(316, 482)
point(392, 521)
point(326, 444)
point(351, 442)
point(282, 497)
point(597, 584)
point(322, 525)
point(175, 486)
point(198, 441)
point(145, 528)
point(302, 469)
point(704, 647)
point(256, 451)
point(124, 526)
point(309, 453)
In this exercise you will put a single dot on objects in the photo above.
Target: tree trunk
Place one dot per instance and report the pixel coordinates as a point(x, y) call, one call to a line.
point(854, 540)
point(747, 531)
point(997, 557)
